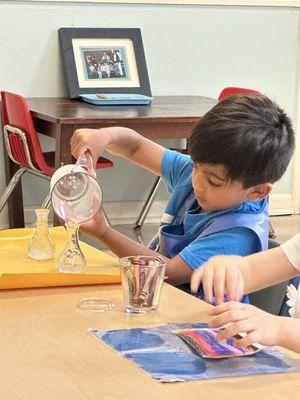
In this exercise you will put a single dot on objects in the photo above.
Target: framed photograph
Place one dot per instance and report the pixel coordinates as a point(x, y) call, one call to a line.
point(104, 60)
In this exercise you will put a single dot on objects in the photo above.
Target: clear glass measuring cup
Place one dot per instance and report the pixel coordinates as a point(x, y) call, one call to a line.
point(76, 194)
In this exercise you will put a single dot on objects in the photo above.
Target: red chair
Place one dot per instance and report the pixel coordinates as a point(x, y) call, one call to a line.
point(230, 91)
point(23, 146)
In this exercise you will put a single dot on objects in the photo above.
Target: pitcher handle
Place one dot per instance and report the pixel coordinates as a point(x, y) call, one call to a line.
point(86, 161)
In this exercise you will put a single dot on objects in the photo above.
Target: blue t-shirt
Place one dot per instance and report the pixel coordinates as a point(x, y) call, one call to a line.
point(176, 171)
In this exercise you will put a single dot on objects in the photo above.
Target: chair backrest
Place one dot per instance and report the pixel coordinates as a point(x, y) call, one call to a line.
point(284, 310)
point(230, 91)
point(22, 142)
point(272, 298)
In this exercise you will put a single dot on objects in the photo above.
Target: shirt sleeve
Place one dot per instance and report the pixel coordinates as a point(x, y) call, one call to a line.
point(176, 168)
point(291, 249)
point(236, 241)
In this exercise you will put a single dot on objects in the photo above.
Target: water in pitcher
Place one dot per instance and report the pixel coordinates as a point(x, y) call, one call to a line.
point(76, 197)
point(75, 193)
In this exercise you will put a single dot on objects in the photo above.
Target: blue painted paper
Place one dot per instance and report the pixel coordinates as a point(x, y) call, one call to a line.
point(168, 358)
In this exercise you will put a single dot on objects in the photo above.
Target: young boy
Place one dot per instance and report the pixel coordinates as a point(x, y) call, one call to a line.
point(236, 275)
point(218, 199)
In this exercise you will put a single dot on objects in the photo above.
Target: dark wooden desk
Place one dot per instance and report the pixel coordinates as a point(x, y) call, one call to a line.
point(168, 117)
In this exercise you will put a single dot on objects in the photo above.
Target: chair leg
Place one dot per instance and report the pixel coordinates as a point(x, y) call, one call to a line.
point(11, 186)
point(272, 234)
point(47, 201)
point(106, 217)
point(46, 204)
point(148, 203)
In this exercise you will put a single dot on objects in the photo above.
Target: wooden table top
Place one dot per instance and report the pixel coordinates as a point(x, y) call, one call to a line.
point(47, 353)
point(164, 108)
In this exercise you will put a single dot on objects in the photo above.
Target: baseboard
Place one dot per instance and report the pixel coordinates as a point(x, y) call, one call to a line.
point(127, 212)
point(118, 212)
point(281, 204)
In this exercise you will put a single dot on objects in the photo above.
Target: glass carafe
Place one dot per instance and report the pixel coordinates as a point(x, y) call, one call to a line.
point(71, 259)
point(76, 195)
point(41, 245)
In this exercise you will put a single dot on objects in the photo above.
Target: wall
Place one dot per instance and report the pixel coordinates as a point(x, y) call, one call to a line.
point(189, 50)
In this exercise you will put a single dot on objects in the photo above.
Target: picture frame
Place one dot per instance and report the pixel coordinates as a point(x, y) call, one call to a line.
point(104, 60)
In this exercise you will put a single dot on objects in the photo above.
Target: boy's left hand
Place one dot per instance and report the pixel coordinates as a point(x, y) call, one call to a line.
point(97, 226)
point(259, 326)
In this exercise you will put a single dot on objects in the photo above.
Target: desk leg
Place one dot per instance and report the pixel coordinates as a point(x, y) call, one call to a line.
point(63, 149)
point(15, 201)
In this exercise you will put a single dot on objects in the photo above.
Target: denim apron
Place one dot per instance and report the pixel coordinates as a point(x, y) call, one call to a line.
point(171, 238)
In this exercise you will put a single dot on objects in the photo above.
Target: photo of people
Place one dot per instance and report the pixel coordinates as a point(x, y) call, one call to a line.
point(105, 63)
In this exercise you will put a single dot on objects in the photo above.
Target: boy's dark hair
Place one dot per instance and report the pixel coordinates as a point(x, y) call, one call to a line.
point(250, 135)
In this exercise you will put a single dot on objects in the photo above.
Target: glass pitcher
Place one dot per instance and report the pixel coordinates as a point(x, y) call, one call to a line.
point(76, 195)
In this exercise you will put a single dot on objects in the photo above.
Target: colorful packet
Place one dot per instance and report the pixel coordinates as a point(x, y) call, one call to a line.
point(204, 341)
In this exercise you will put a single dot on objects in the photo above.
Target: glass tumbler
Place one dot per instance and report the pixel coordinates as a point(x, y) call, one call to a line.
point(142, 280)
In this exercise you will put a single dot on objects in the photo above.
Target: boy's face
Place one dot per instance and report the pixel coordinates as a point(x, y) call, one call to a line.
point(214, 191)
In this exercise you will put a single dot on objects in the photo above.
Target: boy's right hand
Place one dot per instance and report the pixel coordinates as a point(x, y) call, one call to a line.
point(94, 140)
point(220, 276)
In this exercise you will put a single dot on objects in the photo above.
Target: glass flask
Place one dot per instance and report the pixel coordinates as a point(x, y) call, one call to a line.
point(41, 245)
point(76, 194)
point(71, 259)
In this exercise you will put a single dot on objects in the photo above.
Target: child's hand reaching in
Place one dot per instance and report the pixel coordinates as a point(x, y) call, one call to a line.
point(259, 326)
point(220, 276)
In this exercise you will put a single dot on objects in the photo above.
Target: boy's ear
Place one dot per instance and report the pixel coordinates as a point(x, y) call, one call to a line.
point(259, 192)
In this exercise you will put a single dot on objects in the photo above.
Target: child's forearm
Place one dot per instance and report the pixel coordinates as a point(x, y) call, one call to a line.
point(266, 268)
point(177, 271)
point(123, 246)
point(136, 148)
point(116, 140)
point(290, 333)
point(122, 141)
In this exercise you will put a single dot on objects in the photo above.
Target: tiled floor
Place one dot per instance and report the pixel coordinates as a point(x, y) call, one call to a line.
point(285, 227)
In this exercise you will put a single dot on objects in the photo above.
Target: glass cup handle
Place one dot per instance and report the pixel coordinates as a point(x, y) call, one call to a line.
point(86, 161)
